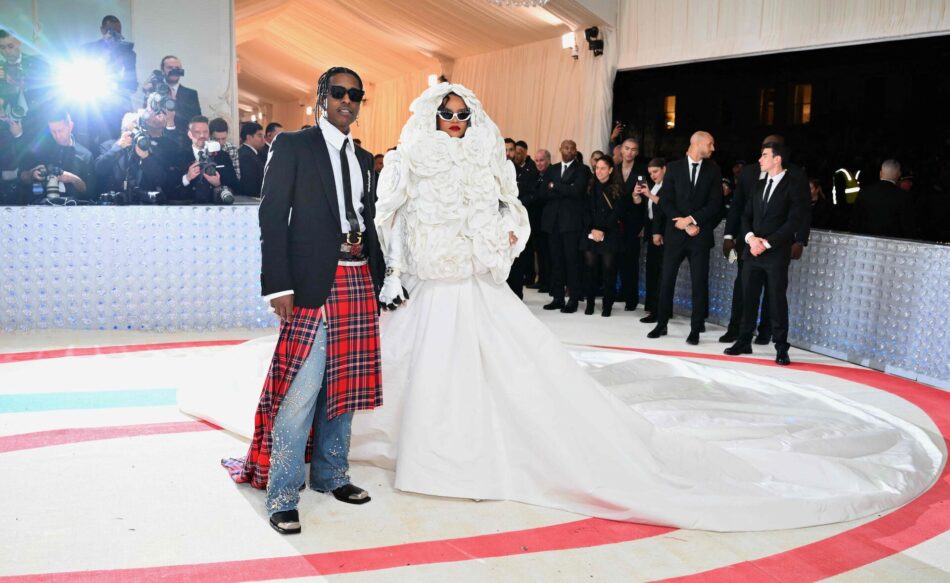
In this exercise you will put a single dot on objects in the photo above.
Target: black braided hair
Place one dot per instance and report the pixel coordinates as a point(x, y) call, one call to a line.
point(323, 86)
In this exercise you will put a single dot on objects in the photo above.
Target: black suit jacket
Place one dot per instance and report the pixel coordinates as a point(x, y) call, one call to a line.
point(186, 107)
point(300, 249)
point(703, 202)
point(786, 213)
point(884, 210)
point(252, 171)
point(564, 203)
point(749, 180)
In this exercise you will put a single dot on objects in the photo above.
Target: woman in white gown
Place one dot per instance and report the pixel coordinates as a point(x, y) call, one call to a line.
point(483, 402)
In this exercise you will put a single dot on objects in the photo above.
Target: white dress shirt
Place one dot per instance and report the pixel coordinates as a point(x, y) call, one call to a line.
point(656, 188)
point(334, 139)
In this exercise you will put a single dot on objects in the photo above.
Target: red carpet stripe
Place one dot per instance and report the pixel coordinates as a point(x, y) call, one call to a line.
point(572, 535)
point(8, 357)
point(55, 437)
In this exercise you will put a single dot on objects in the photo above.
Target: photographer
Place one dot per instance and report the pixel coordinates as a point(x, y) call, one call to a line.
point(118, 57)
point(24, 85)
point(11, 145)
point(219, 133)
point(207, 175)
point(58, 166)
point(186, 100)
point(132, 162)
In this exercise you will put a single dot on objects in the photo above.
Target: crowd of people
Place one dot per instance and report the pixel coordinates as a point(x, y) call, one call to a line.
point(146, 144)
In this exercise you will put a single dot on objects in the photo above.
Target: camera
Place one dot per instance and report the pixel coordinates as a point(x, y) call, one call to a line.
point(208, 167)
point(134, 195)
point(141, 139)
point(158, 95)
point(48, 181)
point(222, 195)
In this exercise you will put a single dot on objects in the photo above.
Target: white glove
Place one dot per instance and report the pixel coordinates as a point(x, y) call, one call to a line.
point(393, 294)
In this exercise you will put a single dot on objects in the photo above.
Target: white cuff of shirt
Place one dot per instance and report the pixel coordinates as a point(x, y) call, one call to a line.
point(692, 219)
point(184, 180)
point(766, 243)
point(728, 237)
point(748, 236)
point(279, 294)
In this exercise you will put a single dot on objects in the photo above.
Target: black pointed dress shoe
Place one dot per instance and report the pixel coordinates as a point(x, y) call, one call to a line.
point(693, 338)
point(555, 305)
point(738, 348)
point(286, 522)
point(649, 319)
point(589, 310)
point(570, 308)
point(781, 357)
point(729, 337)
point(657, 332)
point(763, 339)
point(606, 311)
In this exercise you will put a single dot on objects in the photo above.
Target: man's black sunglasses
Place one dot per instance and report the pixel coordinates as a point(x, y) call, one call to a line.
point(337, 92)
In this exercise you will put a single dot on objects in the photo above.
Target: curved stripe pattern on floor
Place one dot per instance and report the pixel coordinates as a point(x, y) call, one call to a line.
point(921, 519)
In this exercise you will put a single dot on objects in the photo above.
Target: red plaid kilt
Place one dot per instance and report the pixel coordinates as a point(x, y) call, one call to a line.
point(353, 374)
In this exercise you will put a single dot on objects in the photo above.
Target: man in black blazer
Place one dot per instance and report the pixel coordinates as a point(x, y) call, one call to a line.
point(691, 200)
point(776, 211)
point(252, 166)
point(746, 184)
point(186, 99)
point(320, 257)
point(883, 209)
point(190, 182)
point(526, 174)
point(632, 206)
point(563, 192)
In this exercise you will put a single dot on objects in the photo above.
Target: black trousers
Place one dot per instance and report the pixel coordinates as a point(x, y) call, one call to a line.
point(542, 255)
point(565, 264)
point(654, 261)
point(772, 274)
point(739, 299)
point(516, 275)
point(600, 269)
point(630, 270)
point(698, 257)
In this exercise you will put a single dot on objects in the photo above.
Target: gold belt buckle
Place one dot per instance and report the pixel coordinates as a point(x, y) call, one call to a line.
point(359, 238)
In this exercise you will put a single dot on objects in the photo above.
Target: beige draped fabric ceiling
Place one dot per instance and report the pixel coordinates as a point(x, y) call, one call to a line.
point(511, 57)
point(657, 32)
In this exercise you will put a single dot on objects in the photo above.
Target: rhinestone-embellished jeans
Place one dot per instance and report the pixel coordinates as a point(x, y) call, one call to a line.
point(302, 408)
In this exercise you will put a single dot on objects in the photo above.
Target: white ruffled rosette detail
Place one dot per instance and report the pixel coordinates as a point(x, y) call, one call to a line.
point(458, 197)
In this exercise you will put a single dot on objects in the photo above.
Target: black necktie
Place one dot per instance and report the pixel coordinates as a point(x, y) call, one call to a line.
point(765, 196)
point(692, 178)
point(348, 193)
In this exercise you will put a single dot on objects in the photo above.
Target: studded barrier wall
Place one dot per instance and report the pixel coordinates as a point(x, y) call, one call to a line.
point(881, 303)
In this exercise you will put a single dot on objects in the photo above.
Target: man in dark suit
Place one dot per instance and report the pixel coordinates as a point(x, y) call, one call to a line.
point(563, 192)
point(321, 269)
point(883, 209)
point(632, 206)
point(749, 178)
point(118, 57)
point(777, 209)
point(526, 175)
point(186, 99)
point(25, 83)
point(271, 132)
point(691, 199)
point(197, 184)
point(252, 166)
point(539, 239)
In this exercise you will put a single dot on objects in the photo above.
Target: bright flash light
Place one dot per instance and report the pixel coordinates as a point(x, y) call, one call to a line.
point(253, 118)
point(433, 80)
point(84, 80)
point(567, 41)
point(309, 110)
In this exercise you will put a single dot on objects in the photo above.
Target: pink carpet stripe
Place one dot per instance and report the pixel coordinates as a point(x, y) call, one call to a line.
point(55, 437)
point(8, 357)
point(572, 535)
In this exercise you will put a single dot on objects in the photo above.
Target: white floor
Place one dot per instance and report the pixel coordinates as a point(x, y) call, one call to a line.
point(90, 490)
